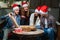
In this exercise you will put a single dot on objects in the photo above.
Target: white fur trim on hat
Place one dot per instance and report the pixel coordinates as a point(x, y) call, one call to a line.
point(41, 12)
point(37, 11)
point(49, 9)
point(15, 8)
point(25, 5)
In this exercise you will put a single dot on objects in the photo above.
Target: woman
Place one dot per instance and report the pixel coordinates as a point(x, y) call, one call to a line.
point(35, 18)
point(25, 13)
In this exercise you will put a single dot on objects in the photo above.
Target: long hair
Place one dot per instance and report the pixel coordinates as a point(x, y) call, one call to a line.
point(35, 17)
point(20, 11)
point(25, 13)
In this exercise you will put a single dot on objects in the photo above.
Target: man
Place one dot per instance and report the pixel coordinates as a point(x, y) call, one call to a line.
point(35, 19)
point(9, 23)
point(47, 23)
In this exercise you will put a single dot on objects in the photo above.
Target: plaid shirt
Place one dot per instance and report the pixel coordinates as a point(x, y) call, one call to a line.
point(50, 21)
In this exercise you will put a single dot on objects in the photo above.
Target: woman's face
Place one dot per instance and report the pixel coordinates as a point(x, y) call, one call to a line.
point(25, 8)
point(36, 14)
point(17, 11)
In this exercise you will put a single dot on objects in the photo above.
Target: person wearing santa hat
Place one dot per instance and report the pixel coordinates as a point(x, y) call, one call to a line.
point(25, 13)
point(35, 18)
point(15, 13)
point(47, 23)
point(9, 24)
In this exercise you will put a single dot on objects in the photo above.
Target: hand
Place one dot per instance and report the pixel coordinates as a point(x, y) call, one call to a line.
point(23, 16)
point(9, 14)
point(18, 29)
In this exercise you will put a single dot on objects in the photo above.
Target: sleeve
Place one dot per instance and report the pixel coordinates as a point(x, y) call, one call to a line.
point(3, 17)
point(53, 21)
point(31, 19)
point(9, 21)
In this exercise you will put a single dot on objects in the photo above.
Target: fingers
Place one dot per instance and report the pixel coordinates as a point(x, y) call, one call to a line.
point(9, 14)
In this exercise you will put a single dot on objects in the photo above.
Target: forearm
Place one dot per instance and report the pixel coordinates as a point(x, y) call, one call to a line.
point(54, 24)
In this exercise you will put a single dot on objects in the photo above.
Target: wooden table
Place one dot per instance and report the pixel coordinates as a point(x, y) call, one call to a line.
point(29, 35)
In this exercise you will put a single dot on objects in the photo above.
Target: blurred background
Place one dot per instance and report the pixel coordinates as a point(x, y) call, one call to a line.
point(53, 4)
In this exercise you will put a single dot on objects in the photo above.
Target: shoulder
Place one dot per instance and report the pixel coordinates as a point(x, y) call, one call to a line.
point(32, 14)
point(51, 17)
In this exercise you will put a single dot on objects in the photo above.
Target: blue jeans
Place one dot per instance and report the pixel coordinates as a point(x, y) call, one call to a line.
point(49, 32)
point(6, 31)
point(38, 37)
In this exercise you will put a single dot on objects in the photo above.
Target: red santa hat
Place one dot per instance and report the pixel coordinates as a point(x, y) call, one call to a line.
point(24, 4)
point(44, 9)
point(37, 10)
point(15, 6)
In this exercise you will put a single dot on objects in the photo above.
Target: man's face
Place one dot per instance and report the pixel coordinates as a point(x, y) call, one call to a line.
point(25, 8)
point(17, 11)
point(44, 15)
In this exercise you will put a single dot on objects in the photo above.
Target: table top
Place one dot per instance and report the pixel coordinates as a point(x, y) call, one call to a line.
point(37, 32)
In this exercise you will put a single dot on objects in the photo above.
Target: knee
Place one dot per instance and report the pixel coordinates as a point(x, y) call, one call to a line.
point(50, 30)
